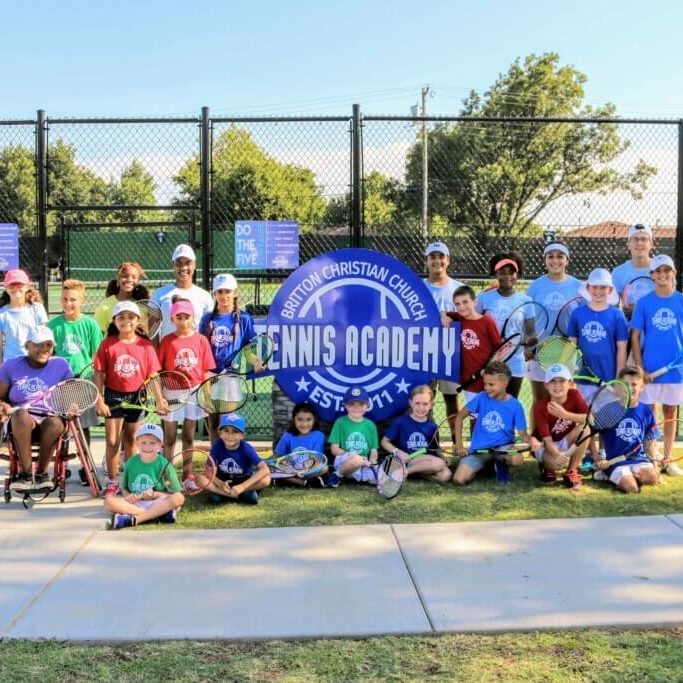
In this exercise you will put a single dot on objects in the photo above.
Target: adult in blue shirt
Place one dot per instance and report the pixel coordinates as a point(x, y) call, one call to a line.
point(640, 245)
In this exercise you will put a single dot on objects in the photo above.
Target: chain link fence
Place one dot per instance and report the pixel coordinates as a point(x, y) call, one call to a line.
point(131, 189)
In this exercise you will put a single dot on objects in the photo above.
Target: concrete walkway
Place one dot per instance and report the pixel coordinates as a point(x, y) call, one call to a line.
point(65, 577)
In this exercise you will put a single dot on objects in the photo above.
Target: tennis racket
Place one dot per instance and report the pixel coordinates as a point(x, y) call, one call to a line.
point(529, 319)
point(636, 289)
point(192, 465)
point(304, 464)
point(391, 474)
point(656, 435)
point(86, 372)
point(675, 363)
point(504, 449)
point(508, 347)
point(553, 350)
point(151, 317)
point(68, 398)
point(565, 314)
point(252, 357)
point(606, 409)
point(162, 393)
point(224, 393)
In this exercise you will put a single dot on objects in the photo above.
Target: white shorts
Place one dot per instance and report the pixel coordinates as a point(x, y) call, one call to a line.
point(588, 391)
point(623, 470)
point(534, 371)
point(667, 394)
point(362, 474)
point(562, 445)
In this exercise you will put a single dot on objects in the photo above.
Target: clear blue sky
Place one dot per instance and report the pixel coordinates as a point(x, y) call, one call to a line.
point(152, 57)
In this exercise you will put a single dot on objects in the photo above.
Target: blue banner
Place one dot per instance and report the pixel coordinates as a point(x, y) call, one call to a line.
point(265, 245)
point(356, 317)
point(9, 246)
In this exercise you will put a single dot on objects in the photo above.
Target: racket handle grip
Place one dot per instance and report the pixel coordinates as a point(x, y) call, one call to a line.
point(658, 373)
point(615, 460)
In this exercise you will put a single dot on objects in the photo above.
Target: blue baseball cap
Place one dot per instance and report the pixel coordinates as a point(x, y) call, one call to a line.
point(357, 394)
point(233, 420)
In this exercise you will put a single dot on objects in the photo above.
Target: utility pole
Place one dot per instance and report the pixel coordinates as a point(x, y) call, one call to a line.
point(425, 162)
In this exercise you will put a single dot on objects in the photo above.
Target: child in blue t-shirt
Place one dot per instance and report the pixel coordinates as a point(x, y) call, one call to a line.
point(656, 340)
point(632, 436)
point(240, 472)
point(303, 434)
point(498, 417)
point(415, 431)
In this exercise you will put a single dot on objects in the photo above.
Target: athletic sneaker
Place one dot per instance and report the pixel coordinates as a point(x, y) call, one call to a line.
point(332, 480)
point(190, 484)
point(112, 488)
point(572, 479)
point(673, 470)
point(168, 517)
point(599, 475)
point(120, 521)
point(43, 482)
point(548, 475)
point(502, 472)
point(23, 482)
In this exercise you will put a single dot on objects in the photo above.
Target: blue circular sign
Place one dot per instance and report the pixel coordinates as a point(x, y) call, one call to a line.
point(355, 318)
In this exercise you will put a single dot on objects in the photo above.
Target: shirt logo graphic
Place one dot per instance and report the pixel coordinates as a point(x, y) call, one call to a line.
point(221, 336)
point(628, 430)
point(492, 422)
point(356, 442)
point(126, 366)
point(593, 332)
point(185, 359)
point(664, 319)
point(470, 340)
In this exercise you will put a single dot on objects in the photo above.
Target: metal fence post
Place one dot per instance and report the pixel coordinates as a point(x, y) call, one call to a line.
point(41, 200)
point(356, 179)
point(679, 211)
point(205, 197)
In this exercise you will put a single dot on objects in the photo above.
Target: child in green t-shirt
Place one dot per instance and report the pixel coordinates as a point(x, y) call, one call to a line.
point(354, 441)
point(149, 484)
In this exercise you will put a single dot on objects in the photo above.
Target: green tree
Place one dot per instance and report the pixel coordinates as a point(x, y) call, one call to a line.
point(18, 187)
point(135, 187)
point(495, 178)
point(249, 184)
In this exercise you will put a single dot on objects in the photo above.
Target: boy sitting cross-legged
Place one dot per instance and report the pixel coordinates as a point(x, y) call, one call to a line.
point(557, 420)
point(498, 417)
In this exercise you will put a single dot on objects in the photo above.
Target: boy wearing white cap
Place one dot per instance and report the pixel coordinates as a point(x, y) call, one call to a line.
point(442, 287)
point(657, 340)
point(639, 243)
point(557, 420)
point(184, 265)
point(149, 484)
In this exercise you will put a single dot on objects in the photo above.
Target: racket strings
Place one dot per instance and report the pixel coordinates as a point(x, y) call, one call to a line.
point(608, 407)
point(390, 476)
point(506, 350)
point(222, 394)
point(260, 349)
point(71, 396)
point(565, 314)
point(558, 350)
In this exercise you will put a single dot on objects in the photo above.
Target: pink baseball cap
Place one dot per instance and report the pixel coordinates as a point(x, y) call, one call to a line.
point(182, 307)
point(16, 277)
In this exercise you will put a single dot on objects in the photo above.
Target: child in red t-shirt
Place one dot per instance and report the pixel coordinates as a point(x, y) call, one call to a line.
point(557, 424)
point(479, 338)
point(123, 362)
point(188, 352)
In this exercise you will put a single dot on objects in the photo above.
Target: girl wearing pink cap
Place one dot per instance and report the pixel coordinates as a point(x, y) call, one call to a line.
point(21, 311)
point(188, 352)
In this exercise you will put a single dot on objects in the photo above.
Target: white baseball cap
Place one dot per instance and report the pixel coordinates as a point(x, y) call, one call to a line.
point(224, 281)
point(437, 246)
point(183, 251)
point(600, 277)
point(39, 335)
point(662, 260)
point(557, 370)
point(639, 229)
point(151, 430)
point(123, 306)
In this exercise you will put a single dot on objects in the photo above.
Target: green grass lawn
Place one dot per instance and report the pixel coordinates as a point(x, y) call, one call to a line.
point(421, 501)
point(587, 655)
